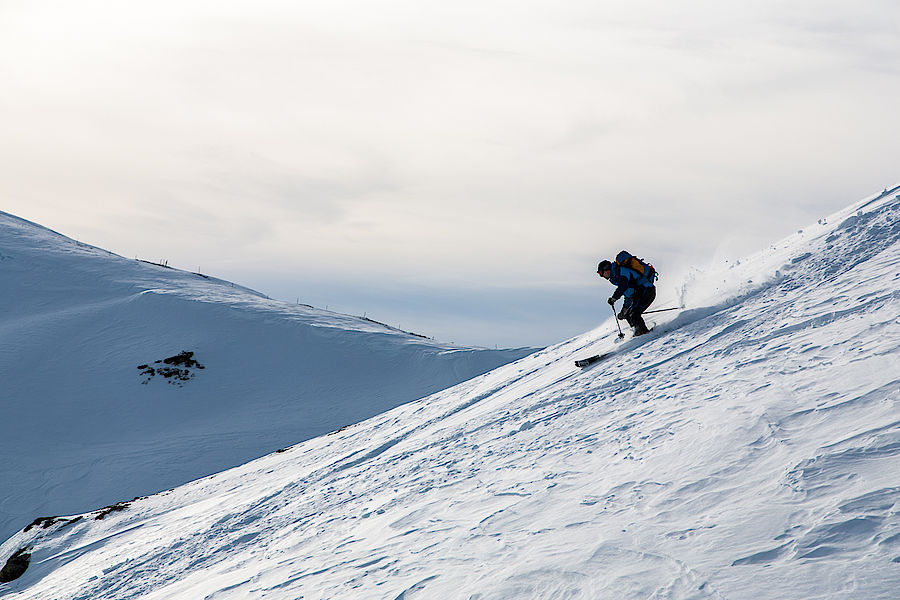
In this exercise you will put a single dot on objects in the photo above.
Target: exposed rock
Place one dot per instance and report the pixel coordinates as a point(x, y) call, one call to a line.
point(185, 359)
point(46, 522)
point(118, 506)
point(16, 566)
point(177, 369)
point(42, 522)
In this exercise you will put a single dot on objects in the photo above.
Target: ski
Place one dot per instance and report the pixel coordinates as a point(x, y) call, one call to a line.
point(584, 362)
point(634, 342)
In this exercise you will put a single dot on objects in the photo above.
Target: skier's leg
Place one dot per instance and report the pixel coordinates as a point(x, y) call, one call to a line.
point(648, 295)
point(646, 298)
point(640, 327)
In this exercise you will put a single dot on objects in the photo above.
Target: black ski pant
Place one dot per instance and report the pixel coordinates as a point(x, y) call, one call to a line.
point(641, 301)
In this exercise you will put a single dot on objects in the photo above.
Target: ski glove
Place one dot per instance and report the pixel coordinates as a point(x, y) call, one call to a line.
point(612, 301)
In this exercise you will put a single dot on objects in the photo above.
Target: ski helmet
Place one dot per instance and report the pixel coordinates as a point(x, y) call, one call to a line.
point(604, 265)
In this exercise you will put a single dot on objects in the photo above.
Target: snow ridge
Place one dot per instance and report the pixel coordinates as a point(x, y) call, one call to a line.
point(94, 415)
point(748, 449)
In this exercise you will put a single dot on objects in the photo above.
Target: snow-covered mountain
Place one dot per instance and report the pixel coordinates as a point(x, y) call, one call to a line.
point(748, 448)
point(90, 416)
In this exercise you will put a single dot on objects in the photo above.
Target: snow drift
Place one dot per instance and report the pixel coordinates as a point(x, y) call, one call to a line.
point(101, 404)
point(748, 448)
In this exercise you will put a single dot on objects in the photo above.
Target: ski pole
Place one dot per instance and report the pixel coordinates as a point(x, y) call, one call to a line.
point(649, 312)
point(616, 319)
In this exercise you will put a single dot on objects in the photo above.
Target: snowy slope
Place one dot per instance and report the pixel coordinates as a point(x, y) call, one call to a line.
point(83, 428)
point(749, 448)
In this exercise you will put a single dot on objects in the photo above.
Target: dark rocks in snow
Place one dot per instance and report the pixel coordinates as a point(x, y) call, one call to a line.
point(16, 566)
point(46, 522)
point(101, 514)
point(184, 359)
point(175, 369)
point(98, 515)
point(117, 507)
point(43, 523)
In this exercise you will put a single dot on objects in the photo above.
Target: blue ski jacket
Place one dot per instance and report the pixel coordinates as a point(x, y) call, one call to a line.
point(627, 282)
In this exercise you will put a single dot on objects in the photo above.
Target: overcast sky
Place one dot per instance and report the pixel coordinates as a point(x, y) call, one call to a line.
point(454, 167)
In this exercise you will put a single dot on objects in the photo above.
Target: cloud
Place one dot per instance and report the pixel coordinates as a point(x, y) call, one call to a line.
point(463, 143)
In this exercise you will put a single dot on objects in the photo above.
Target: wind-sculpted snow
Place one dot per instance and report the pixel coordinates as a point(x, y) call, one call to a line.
point(748, 448)
point(99, 408)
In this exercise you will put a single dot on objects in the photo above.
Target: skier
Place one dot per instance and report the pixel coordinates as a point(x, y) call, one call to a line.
point(633, 279)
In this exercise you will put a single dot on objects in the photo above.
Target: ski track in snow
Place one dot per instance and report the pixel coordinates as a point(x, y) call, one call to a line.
point(746, 450)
